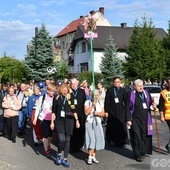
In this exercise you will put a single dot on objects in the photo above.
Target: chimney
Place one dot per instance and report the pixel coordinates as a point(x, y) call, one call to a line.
point(92, 12)
point(123, 25)
point(81, 16)
point(101, 9)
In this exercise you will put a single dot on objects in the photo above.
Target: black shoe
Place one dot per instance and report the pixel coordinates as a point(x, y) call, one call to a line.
point(22, 132)
point(139, 159)
point(13, 141)
point(167, 148)
point(1, 134)
point(36, 144)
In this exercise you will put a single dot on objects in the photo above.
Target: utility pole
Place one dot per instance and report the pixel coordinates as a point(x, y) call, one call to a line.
point(36, 33)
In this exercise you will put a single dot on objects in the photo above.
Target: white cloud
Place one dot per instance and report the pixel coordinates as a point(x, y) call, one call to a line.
point(37, 20)
point(31, 7)
point(27, 6)
point(27, 10)
point(21, 6)
point(16, 35)
point(8, 14)
point(53, 29)
point(13, 26)
point(54, 2)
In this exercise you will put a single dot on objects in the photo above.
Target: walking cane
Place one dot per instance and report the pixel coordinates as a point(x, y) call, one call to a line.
point(156, 125)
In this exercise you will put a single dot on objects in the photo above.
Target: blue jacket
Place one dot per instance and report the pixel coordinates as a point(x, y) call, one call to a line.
point(31, 103)
point(43, 92)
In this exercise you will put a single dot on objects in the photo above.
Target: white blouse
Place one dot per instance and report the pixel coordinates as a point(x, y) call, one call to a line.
point(91, 117)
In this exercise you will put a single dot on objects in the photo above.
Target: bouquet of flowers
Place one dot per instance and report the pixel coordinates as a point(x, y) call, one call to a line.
point(90, 23)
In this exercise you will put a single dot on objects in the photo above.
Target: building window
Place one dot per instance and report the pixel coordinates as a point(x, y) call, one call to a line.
point(66, 45)
point(83, 47)
point(77, 49)
point(63, 45)
point(57, 42)
point(83, 67)
point(70, 38)
point(67, 38)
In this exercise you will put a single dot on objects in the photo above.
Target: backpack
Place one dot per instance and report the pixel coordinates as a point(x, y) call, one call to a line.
point(132, 107)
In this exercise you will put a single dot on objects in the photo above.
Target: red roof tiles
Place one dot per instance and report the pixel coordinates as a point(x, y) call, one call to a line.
point(71, 27)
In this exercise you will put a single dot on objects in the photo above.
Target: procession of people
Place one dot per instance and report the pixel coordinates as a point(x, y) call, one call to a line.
point(76, 115)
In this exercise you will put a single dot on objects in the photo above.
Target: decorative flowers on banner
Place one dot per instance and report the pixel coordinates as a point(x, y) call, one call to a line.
point(90, 23)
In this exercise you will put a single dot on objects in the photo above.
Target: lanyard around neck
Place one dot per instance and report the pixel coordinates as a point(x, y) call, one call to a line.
point(63, 102)
point(75, 93)
point(142, 97)
point(115, 91)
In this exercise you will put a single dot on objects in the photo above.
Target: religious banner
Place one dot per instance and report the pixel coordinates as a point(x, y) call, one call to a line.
point(90, 25)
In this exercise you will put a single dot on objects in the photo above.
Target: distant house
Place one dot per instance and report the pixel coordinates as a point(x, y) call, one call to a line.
point(80, 47)
point(64, 38)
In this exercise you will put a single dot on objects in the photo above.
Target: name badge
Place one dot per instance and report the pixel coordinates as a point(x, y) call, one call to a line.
point(62, 113)
point(75, 101)
point(116, 100)
point(144, 105)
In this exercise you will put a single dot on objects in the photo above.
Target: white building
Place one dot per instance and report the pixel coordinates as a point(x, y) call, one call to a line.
point(64, 38)
point(80, 59)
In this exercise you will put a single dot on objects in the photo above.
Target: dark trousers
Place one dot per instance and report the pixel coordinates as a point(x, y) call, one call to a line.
point(77, 139)
point(116, 131)
point(137, 142)
point(46, 129)
point(12, 127)
point(168, 123)
point(64, 144)
point(2, 123)
point(140, 141)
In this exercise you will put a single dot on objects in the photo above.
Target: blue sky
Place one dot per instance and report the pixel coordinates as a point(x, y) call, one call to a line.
point(18, 18)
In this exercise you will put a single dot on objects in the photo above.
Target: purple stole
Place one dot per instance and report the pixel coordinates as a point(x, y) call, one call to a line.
point(132, 102)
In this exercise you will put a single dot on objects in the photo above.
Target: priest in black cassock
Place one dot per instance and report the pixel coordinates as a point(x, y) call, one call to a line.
point(139, 120)
point(115, 101)
point(78, 137)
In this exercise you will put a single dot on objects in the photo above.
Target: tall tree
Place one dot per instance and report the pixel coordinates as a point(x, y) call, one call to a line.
point(146, 57)
point(110, 65)
point(40, 55)
point(12, 70)
point(86, 75)
point(166, 45)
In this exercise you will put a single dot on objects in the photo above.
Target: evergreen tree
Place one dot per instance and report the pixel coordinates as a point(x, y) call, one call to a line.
point(62, 70)
point(110, 65)
point(146, 57)
point(40, 55)
point(166, 45)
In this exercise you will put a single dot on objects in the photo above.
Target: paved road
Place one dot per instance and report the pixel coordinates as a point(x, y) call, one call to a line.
point(23, 155)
